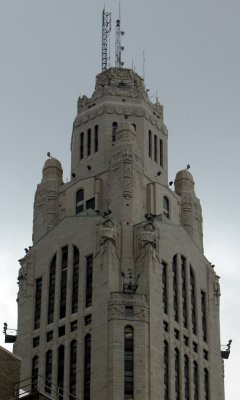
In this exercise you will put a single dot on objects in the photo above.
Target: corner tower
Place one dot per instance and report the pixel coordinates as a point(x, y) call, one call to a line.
point(116, 298)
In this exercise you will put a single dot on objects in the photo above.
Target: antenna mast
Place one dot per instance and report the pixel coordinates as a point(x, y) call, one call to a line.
point(106, 28)
point(118, 47)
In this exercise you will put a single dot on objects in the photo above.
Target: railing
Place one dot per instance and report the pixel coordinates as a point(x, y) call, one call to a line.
point(25, 388)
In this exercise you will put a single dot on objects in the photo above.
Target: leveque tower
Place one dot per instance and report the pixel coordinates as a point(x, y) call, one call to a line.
point(116, 298)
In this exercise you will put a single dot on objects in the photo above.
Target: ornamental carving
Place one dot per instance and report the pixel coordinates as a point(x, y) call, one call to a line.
point(108, 244)
point(147, 238)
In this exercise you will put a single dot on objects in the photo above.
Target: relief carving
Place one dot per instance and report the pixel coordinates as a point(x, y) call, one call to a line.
point(147, 244)
point(108, 242)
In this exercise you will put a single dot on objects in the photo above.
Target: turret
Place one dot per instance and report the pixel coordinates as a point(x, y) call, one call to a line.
point(46, 198)
point(191, 210)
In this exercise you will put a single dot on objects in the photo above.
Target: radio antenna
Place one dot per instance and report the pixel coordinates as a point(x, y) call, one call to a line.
point(106, 29)
point(118, 47)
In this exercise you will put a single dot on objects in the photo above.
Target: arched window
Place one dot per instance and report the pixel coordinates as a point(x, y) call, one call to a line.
point(35, 366)
point(175, 288)
point(195, 381)
point(165, 369)
point(73, 370)
point(114, 131)
point(51, 290)
point(177, 374)
point(60, 370)
point(206, 385)
point(193, 302)
point(75, 278)
point(165, 207)
point(38, 301)
point(150, 144)
point(184, 291)
point(48, 371)
point(128, 363)
point(87, 367)
point(79, 201)
point(134, 125)
point(63, 291)
point(164, 288)
point(186, 378)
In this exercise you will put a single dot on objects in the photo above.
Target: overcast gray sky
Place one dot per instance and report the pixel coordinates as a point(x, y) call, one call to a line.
point(50, 53)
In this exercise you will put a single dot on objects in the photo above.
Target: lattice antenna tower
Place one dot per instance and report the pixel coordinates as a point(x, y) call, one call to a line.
point(106, 29)
point(118, 47)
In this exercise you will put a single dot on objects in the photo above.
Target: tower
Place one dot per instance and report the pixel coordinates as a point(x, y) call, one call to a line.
point(116, 298)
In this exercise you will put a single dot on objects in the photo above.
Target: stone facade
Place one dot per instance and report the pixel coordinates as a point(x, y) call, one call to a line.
point(9, 373)
point(116, 298)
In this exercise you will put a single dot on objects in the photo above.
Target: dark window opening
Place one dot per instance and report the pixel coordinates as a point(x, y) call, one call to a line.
point(177, 375)
point(164, 288)
point(165, 370)
point(165, 207)
point(128, 363)
point(150, 144)
point(89, 276)
point(193, 302)
point(155, 148)
point(206, 385)
point(38, 299)
point(89, 142)
point(195, 381)
point(75, 279)
point(36, 341)
point(73, 370)
point(184, 292)
point(61, 331)
point(49, 336)
point(81, 145)
point(79, 201)
point(96, 138)
point(204, 317)
point(114, 131)
point(90, 203)
point(186, 378)
point(74, 325)
point(60, 372)
point(129, 311)
point(175, 288)
point(176, 334)
point(48, 372)
point(205, 354)
point(51, 290)
point(88, 319)
point(185, 340)
point(165, 326)
point(161, 152)
point(87, 367)
point(35, 366)
point(63, 290)
point(195, 347)
point(134, 125)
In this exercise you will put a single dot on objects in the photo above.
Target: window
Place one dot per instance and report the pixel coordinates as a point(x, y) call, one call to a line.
point(88, 319)
point(90, 203)
point(205, 354)
point(48, 371)
point(195, 381)
point(35, 366)
point(176, 334)
point(81, 145)
point(193, 301)
point(206, 385)
point(165, 369)
point(150, 144)
point(75, 279)
point(61, 331)
point(177, 374)
point(51, 290)
point(89, 142)
point(96, 139)
point(38, 299)
point(60, 372)
point(49, 336)
point(114, 131)
point(87, 367)
point(74, 325)
point(63, 291)
point(164, 288)
point(165, 207)
point(73, 370)
point(36, 341)
point(186, 340)
point(186, 378)
point(165, 326)
point(161, 152)
point(195, 347)
point(155, 148)
point(129, 311)
point(89, 272)
point(184, 291)
point(79, 201)
point(204, 320)
point(175, 288)
point(128, 363)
